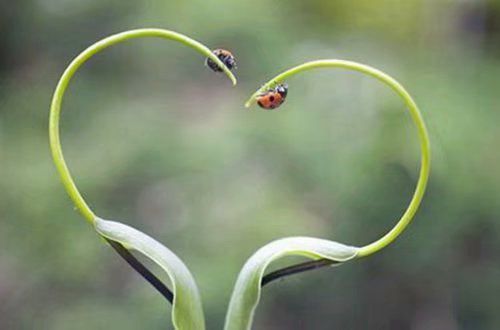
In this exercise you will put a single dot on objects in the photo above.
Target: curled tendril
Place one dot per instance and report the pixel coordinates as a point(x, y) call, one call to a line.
point(247, 289)
point(55, 109)
point(416, 116)
point(145, 245)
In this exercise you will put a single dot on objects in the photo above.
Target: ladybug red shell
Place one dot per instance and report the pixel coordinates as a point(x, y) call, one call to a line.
point(273, 98)
point(225, 56)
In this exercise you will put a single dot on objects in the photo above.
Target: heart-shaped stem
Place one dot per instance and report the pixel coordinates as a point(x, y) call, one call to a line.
point(416, 116)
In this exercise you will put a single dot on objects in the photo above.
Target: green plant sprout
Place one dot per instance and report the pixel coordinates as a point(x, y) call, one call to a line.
point(187, 312)
point(247, 291)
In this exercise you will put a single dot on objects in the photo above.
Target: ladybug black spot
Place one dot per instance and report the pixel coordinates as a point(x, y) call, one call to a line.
point(271, 98)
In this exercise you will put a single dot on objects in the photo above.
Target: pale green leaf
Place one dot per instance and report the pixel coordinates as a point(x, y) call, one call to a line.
point(246, 293)
point(187, 312)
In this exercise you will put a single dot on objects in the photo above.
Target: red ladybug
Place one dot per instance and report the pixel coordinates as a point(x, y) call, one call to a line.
point(225, 56)
point(273, 98)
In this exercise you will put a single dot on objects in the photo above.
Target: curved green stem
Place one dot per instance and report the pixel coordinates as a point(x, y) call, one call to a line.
point(55, 109)
point(416, 117)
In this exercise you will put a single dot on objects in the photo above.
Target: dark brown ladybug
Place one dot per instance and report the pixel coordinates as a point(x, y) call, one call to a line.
point(225, 56)
point(273, 98)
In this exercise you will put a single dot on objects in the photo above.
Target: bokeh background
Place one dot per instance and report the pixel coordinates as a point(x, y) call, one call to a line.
point(156, 140)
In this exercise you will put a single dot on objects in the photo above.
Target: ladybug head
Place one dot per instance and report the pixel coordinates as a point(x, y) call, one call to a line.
point(228, 60)
point(282, 89)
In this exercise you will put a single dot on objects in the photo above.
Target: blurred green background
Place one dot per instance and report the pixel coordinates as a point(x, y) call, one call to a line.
point(156, 140)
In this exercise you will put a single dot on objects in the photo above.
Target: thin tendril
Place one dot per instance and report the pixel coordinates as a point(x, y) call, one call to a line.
point(55, 143)
point(416, 116)
point(55, 109)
